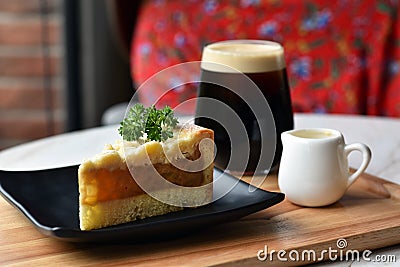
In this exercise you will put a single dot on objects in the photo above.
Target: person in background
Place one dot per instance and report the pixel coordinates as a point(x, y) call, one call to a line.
point(342, 56)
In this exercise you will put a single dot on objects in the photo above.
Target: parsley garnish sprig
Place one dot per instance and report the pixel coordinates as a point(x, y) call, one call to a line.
point(145, 124)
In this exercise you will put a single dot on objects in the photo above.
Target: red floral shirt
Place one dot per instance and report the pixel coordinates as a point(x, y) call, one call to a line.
point(342, 56)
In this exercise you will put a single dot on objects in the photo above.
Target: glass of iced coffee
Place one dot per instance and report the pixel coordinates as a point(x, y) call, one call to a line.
point(244, 97)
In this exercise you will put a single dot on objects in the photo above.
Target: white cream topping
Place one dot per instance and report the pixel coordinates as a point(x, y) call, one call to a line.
point(115, 156)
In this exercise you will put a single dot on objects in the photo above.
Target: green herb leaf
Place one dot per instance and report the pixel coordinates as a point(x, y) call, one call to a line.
point(148, 124)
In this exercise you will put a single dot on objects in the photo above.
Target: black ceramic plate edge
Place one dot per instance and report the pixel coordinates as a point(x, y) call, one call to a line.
point(41, 228)
point(159, 227)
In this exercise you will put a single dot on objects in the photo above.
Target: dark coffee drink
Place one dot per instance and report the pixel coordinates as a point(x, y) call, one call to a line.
point(241, 77)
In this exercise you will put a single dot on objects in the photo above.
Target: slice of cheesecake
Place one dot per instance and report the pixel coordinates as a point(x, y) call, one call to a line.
point(109, 195)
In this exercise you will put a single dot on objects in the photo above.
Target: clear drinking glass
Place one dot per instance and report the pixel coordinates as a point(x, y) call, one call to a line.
point(244, 97)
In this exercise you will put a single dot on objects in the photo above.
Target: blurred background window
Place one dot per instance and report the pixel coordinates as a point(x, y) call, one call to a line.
point(31, 91)
point(62, 64)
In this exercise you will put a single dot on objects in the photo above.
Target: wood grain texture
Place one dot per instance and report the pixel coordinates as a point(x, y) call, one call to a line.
point(368, 217)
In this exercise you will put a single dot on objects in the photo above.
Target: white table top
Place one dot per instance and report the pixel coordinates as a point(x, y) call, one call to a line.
point(382, 135)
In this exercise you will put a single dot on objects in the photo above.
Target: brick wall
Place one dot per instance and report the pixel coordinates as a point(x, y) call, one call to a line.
point(31, 93)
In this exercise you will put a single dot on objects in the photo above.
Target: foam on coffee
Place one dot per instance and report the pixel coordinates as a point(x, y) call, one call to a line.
point(248, 56)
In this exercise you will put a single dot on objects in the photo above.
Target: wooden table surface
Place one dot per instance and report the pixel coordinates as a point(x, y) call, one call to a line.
point(368, 217)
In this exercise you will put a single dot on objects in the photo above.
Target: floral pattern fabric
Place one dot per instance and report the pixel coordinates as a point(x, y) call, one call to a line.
point(342, 56)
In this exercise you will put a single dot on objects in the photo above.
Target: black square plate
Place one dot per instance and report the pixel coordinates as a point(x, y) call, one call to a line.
point(49, 199)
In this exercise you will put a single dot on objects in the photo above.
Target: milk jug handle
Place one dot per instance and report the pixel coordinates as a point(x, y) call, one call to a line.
point(366, 158)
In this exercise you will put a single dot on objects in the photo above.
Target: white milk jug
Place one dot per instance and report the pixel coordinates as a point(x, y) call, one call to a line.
point(314, 166)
